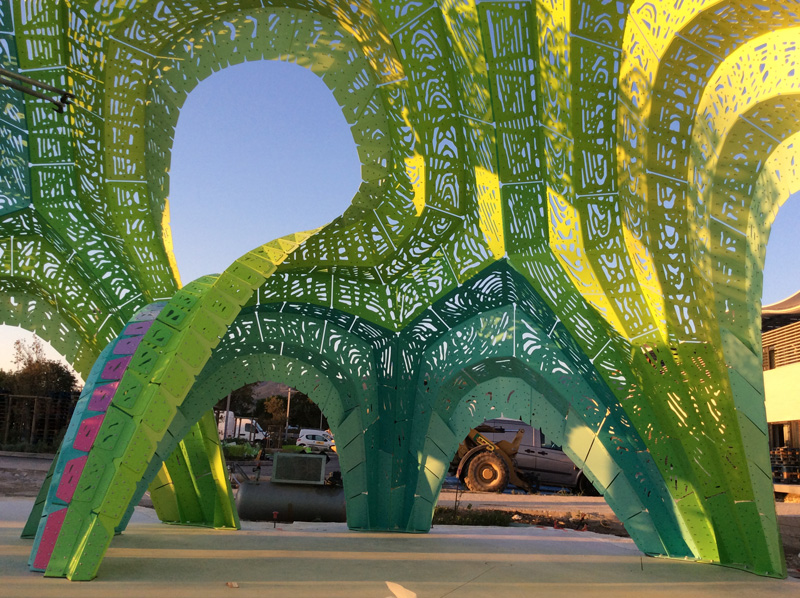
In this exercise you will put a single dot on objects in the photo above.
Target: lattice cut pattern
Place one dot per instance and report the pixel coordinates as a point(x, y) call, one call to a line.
point(562, 218)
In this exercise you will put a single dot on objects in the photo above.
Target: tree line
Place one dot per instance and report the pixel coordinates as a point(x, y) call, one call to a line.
point(271, 411)
point(35, 375)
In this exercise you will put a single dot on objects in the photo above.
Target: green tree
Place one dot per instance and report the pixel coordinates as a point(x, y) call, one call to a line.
point(304, 412)
point(242, 402)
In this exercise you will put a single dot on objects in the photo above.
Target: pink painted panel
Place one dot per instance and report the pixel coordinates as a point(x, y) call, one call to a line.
point(115, 368)
point(102, 396)
point(55, 521)
point(87, 432)
point(127, 346)
point(70, 478)
point(138, 328)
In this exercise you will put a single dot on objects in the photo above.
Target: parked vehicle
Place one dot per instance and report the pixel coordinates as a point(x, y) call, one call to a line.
point(231, 427)
point(318, 441)
point(533, 459)
point(488, 466)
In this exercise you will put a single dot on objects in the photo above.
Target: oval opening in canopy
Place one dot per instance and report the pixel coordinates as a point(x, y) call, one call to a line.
point(261, 150)
point(9, 335)
point(781, 267)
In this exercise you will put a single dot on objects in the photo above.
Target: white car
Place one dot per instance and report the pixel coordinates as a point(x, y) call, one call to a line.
point(318, 441)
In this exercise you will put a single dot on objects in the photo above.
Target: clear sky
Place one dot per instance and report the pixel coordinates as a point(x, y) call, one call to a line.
point(262, 150)
point(282, 161)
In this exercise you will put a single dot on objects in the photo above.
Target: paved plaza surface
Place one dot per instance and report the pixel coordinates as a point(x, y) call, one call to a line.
point(326, 560)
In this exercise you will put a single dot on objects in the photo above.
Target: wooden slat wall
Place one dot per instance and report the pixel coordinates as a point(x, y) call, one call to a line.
point(785, 342)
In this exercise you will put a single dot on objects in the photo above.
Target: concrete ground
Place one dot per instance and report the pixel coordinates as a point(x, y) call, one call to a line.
point(536, 503)
point(25, 461)
point(556, 503)
point(327, 560)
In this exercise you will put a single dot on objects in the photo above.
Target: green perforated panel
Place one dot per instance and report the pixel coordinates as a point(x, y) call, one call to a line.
point(563, 215)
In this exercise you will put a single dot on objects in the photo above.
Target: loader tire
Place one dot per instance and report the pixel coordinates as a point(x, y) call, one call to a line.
point(487, 472)
point(586, 488)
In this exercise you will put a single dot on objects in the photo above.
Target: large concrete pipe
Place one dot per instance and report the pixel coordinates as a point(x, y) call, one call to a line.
point(257, 501)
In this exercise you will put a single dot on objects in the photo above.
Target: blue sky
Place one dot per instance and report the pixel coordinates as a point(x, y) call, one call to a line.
point(284, 161)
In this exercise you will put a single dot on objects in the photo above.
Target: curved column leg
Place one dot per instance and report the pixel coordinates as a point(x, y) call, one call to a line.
point(145, 416)
point(88, 417)
point(35, 516)
point(193, 487)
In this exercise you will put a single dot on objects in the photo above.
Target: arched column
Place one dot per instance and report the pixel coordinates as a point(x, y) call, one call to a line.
point(142, 393)
point(334, 368)
point(518, 371)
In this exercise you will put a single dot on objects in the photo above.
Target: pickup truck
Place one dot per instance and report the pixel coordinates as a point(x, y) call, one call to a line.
point(533, 457)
